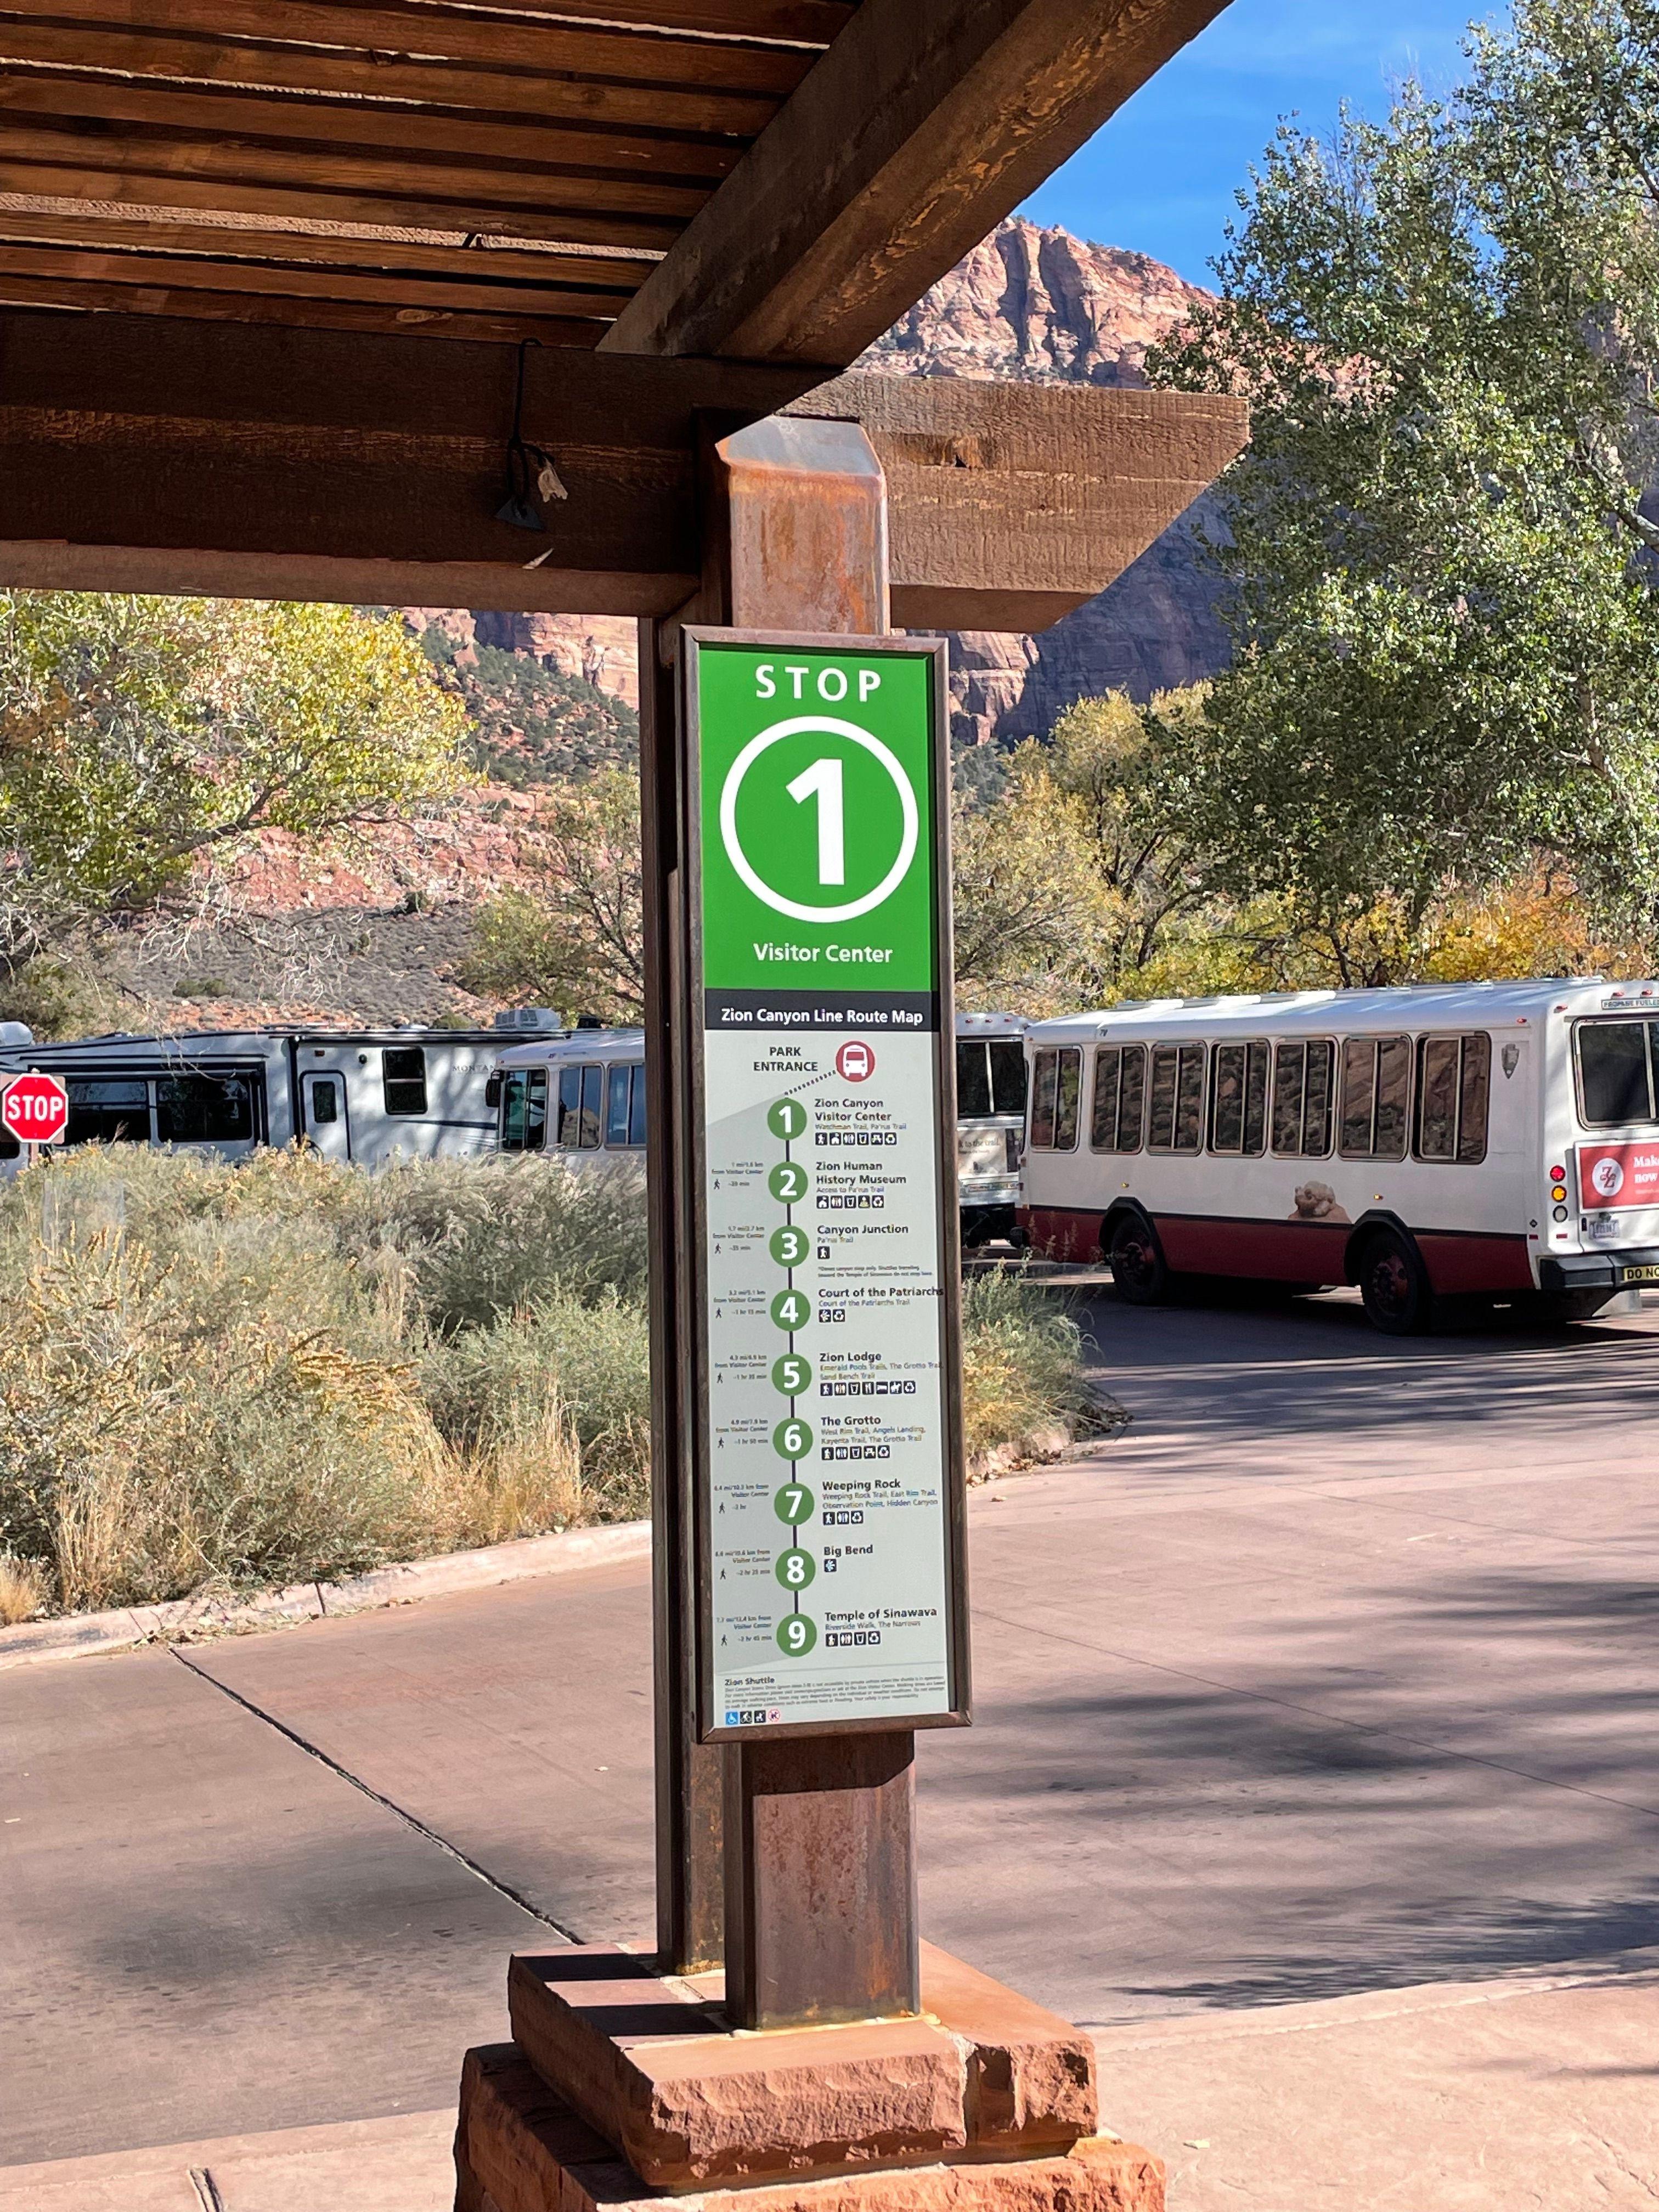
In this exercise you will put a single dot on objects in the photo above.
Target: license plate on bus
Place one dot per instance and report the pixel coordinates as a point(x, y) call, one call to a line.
point(1638, 1275)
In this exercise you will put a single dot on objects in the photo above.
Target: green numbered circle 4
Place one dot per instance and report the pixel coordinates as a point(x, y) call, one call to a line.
point(786, 1117)
point(790, 1309)
point(788, 1180)
point(789, 1246)
point(794, 1503)
point(795, 1570)
point(792, 1440)
point(797, 1635)
point(792, 1374)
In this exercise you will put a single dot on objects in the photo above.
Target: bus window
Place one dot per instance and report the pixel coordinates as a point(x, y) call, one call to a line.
point(108, 1112)
point(1120, 1098)
point(524, 1109)
point(1615, 1072)
point(1008, 1075)
point(1453, 1080)
point(625, 1112)
point(1301, 1098)
point(1376, 1091)
point(1056, 1081)
point(579, 1109)
point(1176, 1122)
point(636, 1106)
point(973, 1079)
point(1239, 1099)
point(204, 1109)
point(402, 1078)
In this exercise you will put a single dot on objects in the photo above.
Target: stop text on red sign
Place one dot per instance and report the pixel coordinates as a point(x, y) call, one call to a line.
point(1613, 1175)
point(34, 1109)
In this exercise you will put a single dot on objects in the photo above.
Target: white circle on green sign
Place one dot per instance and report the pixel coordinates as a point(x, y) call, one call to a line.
point(798, 726)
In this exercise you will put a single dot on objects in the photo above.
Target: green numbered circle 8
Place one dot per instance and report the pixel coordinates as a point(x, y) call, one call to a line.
point(794, 1503)
point(787, 1182)
point(796, 1569)
point(789, 1245)
point(786, 1117)
point(797, 1635)
point(790, 1309)
point(792, 1440)
point(792, 1374)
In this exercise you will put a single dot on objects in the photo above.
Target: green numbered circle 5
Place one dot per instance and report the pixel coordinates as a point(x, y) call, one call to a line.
point(790, 1309)
point(792, 1374)
point(792, 1440)
point(787, 1182)
point(795, 1570)
point(797, 1635)
point(794, 1503)
point(786, 1117)
point(789, 1246)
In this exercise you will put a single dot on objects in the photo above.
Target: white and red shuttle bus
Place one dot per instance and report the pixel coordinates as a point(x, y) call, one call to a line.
point(1496, 1141)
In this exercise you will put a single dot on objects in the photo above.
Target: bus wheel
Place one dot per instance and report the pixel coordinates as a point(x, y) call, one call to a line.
point(1394, 1286)
point(1139, 1274)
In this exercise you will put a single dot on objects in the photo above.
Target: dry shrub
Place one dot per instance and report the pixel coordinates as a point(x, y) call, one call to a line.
point(24, 1585)
point(1022, 1365)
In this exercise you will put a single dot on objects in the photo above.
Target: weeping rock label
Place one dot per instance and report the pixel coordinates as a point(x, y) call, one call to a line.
point(829, 1463)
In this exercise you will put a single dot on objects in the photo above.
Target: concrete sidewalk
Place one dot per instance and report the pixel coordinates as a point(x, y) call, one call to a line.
point(1459, 2097)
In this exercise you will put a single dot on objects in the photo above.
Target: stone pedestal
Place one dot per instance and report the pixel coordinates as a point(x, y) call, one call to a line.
point(622, 2085)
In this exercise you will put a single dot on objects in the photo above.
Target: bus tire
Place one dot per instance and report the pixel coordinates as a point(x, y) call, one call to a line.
point(1140, 1274)
point(1394, 1284)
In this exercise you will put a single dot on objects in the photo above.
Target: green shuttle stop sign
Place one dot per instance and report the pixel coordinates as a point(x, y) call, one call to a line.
point(823, 1185)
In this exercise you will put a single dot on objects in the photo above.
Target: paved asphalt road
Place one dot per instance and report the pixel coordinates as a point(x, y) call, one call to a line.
point(1335, 1672)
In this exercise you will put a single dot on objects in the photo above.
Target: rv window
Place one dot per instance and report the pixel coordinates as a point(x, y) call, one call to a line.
point(402, 1072)
point(324, 1104)
point(1055, 1080)
point(1239, 1099)
point(1615, 1074)
point(208, 1109)
point(1376, 1087)
point(524, 1109)
point(108, 1113)
point(973, 1079)
point(1301, 1098)
point(1007, 1076)
point(1453, 1077)
point(1175, 1123)
point(1120, 1098)
point(579, 1108)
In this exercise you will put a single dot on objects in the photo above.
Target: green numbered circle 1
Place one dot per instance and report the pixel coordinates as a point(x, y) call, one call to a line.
point(797, 1635)
point(790, 1309)
point(789, 1245)
point(792, 1440)
point(796, 1569)
point(786, 1117)
point(794, 1503)
point(787, 1182)
point(792, 1374)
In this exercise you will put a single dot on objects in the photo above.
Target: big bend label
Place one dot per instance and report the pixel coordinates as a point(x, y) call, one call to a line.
point(829, 1452)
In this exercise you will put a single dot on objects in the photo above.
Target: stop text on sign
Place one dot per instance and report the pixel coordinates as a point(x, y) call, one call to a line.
point(34, 1110)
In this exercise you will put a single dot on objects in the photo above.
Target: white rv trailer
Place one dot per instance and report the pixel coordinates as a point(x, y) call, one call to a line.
point(1491, 1141)
point(990, 1123)
point(362, 1095)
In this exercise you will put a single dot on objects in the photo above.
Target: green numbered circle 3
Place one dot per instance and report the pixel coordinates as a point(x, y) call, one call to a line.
point(786, 1117)
point(789, 1246)
point(797, 1635)
point(794, 1503)
point(792, 1440)
point(788, 1180)
point(795, 1570)
point(792, 1374)
point(790, 1309)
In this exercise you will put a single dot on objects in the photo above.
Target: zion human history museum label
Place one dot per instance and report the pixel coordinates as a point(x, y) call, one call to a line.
point(828, 1454)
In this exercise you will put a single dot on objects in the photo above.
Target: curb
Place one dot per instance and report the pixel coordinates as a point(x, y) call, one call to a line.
point(564, 1553)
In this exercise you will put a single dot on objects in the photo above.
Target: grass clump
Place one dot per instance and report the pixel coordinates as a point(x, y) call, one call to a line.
point(1022, 1368)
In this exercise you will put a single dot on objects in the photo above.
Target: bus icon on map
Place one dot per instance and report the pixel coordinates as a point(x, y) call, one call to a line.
point(856, 1061)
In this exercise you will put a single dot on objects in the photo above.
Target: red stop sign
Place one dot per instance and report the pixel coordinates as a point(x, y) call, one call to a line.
point(34, 1109)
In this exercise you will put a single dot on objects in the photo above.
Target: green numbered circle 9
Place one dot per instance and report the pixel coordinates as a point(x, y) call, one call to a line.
point(789, 1245)
point(790, 1309)
point(786, 1117)
point(787, 1182)
point(792, 1440)
point(794, 1503)
point(792, 1374)
point(797, 1635)
point(796, 1569)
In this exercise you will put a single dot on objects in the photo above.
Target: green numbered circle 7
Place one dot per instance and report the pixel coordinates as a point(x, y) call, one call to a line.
point(797, 1635)
point(789, 1245)
point(794, 1503)
point(786, 1117)
point(792, 1440)
point(792, 1374)
point(787, 1182)
point(795, 1570)
point(790, 1309)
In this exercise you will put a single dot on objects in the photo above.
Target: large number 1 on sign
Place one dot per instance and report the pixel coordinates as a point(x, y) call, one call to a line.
point(823, 782)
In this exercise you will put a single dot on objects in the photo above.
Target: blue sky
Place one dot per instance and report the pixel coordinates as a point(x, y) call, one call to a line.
point(1162, 174)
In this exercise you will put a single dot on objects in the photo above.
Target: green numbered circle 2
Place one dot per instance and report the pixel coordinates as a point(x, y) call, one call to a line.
point(790, 1309)
point(797, 1635)
point(789, 1245)
point(786, 1117)
point(794, 1503)
point(792, 1374)
point(792, 1440)
point(796, 1569)
point(788, 1180)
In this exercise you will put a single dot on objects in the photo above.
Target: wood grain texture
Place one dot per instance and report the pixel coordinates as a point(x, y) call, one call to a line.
point(89, 296)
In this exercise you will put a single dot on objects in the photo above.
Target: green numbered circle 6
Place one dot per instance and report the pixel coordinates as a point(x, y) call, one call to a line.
point(786, 1117)
point(790, 1309)
point(794, 1503)
point(787, 1182)
point(797, 1635)
point(789, 1245)
point(792, 1440)
point(792, 1374)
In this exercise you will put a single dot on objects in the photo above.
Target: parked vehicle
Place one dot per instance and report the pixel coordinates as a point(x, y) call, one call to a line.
point(1482, 1141)
point(580, 1094)
point(990, 1124)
